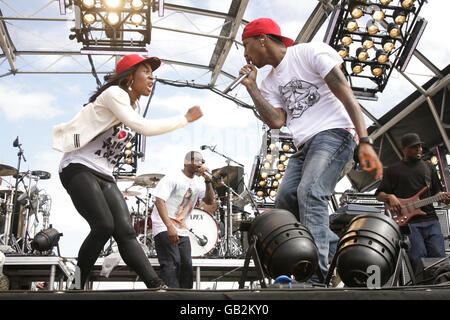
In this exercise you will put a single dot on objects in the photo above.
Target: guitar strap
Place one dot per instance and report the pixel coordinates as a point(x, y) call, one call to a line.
point(427, 175)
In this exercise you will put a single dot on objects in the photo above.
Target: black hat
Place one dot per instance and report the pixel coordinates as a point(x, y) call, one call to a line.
point(410, 139)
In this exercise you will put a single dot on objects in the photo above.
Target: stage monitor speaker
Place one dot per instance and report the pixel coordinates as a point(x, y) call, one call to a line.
point(443, 216)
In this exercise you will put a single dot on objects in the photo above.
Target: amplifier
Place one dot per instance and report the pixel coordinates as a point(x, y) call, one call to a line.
point(443, 217)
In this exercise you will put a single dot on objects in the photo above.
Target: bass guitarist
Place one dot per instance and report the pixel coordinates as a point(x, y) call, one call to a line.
point(407, 179)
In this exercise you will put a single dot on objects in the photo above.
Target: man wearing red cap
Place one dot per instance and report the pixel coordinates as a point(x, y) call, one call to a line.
point(307, 92)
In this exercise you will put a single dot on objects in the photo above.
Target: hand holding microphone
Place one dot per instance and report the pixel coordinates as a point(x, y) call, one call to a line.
point(244, 73)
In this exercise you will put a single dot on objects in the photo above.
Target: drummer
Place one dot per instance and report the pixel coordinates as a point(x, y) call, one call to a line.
point(176, 195)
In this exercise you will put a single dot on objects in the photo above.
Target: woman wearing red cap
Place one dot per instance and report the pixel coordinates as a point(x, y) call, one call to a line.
point(92, 143)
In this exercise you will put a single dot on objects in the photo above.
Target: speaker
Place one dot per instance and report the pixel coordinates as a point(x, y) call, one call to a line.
point(443, 217)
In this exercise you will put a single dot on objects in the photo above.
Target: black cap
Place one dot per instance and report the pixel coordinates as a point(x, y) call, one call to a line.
point(410, 139)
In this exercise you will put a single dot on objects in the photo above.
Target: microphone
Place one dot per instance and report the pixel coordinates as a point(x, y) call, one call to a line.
point(209, 175)
point(207, 147)
point(16, 142)
point(235, 83)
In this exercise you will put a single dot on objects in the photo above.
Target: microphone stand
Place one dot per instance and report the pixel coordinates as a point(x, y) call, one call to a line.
point(18, 179)
point(230, 192)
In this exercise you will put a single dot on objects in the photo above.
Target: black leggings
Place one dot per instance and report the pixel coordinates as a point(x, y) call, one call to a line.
point(101, 203)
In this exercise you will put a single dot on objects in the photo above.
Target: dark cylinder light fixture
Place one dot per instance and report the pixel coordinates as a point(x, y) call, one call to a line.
point(285, 246)
point(372, 239)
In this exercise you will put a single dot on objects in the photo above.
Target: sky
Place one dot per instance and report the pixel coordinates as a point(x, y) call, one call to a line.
point(31, 104)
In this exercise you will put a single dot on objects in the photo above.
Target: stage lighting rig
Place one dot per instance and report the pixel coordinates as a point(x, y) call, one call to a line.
point(119, 26)
point(374, 37)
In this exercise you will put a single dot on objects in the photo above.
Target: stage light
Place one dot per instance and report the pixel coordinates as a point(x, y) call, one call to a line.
point(283, 158)
point(278, 176)
point(262, 183)
point(352, 25)
point(377, 13)
point(88, 4)
point(346, 40)
point(381, 56)
point(267, 165)
point(434, 160)
point(275, 184)
point(362, 54)
point(46, 239)
point(89, 18)
point(128, 153)
point(388, 45)
point(273, 193)
point(260, 193)
point(343, 51)
point(137, 4)
point(113, 18)
point(284, 246)
point(356, 12)
point(286, 147)
point(113, 4)
point(385, 2)
point(264, 175)
point(281, 167)
point(377, 70)
point(393, 30)
point(367, 42)
point(272, 146)
point(357, 67)
point(407, 3)
point(372, 27)
point(269, 157)
point(137, 19)
point(399, 16)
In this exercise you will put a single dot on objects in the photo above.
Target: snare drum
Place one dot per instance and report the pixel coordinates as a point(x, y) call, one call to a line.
point(203, 232)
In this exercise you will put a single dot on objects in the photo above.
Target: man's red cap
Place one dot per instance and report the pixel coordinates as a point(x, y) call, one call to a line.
point(265, 26)
point(131, 60)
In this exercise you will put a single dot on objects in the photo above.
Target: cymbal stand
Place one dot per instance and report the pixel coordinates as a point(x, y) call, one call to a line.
point(20, 156)
point(29, 207)
point(147, 206)
point(8, 218)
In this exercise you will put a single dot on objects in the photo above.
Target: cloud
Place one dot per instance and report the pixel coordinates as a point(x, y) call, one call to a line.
point(19, 102)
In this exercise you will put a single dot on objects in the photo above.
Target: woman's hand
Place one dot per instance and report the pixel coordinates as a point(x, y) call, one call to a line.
point(194, 114)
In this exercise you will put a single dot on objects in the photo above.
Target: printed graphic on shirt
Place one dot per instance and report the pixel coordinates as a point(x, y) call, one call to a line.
point(113, 144)
point(299, 96)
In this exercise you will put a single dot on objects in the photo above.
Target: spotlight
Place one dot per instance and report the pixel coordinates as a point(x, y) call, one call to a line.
point(343, 51)
point(137, 4)
point(89, 18)
point(377, 70)
point(367, 42)
point(137, 19)
point(377, 13)
point(362, 54)
point(356, 12)
point(262, 183)
point(264, 175)
point(273, 193)
point(407, 3)
point(346, 40)
point(88, 4)
point(281, 167)
point(372, 27)
point(269, 157)
point(352, 25)
point(434, 161)
point(399, 16)
point(275, 184)
point(267, 165)
point(393, 30)
point(385, 2)
point(260, 193)
point(388, 45)
point(46, 239)
point(286, 147)
point(381, 56)
point(284, 246)
point(278, 176)
point(357, 67)
point(113, 18)
point(113, 4)
point(283, 158)
point(272, 146)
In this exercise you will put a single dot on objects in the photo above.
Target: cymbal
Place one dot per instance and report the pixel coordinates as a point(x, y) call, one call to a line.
point(7, 170)
point(148, 180)
point(43, 175)
point(227, 173)
point(131, 193)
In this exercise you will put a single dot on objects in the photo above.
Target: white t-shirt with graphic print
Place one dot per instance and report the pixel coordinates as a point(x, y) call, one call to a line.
point(180, 194)
point(297, 86)
point(103, 152)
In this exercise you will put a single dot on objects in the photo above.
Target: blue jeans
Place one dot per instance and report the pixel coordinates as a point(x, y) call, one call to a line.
point(175, 261)
point(427, 241)
point(309, 182)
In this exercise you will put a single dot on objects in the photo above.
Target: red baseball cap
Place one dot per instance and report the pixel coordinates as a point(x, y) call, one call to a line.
point(265, 26)
point(131, 60)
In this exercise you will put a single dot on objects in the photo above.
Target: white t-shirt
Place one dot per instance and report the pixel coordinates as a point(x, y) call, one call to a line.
point(103, 152)
point(180, 194)
point(297, 86)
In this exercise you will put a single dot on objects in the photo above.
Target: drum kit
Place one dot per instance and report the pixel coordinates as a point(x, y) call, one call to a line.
point(23, 213)
point(213, 229)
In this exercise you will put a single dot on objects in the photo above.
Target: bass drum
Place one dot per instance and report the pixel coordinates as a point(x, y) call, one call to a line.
point(203, 232)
